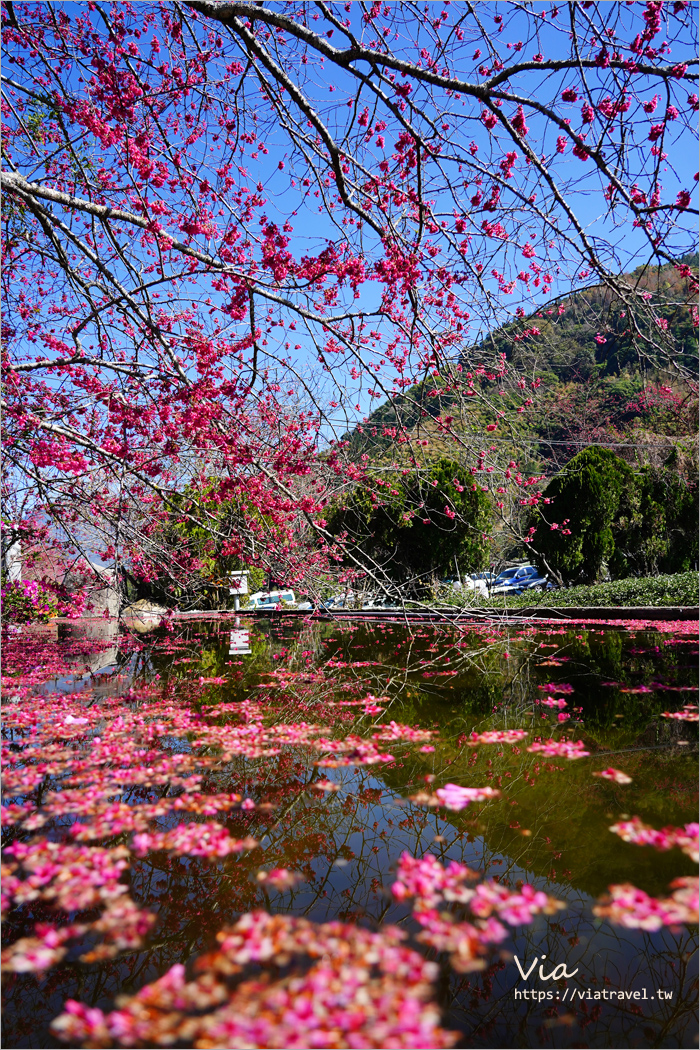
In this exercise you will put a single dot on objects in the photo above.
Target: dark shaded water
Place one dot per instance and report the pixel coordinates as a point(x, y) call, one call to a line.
point(550, 827)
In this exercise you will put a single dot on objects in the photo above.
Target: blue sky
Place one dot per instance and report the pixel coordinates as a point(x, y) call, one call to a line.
point(622, 247)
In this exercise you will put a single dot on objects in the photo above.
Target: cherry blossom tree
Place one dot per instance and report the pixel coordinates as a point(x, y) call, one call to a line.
point(232, 229)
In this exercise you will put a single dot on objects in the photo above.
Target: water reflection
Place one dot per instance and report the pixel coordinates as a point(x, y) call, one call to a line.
point(550, 828)
point(239, 644)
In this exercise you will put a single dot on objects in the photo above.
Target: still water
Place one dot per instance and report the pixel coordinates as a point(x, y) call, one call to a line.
point(547, 823)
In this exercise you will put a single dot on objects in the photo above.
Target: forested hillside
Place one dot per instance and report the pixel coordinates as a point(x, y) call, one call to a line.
point(593, 379)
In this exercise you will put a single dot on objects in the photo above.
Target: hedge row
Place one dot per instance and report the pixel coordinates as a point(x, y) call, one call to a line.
point(678, 589)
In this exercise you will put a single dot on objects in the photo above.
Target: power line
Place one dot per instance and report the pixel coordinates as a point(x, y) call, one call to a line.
point(490, 438)
point(551, 441)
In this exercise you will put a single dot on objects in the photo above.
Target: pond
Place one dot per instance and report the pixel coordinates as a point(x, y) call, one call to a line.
point(295, 833)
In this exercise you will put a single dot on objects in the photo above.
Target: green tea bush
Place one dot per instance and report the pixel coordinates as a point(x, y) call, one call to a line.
point(678, 589)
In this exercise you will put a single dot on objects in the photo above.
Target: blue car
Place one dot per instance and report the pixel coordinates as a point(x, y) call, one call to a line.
point(512, 581)
point(539, 583)
point(519, 579)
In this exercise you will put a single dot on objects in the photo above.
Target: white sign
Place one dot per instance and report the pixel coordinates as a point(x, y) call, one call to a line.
point(240, 643)
point(239, 582)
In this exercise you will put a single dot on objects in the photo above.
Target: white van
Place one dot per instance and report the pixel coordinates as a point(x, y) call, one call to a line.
point(270, 599)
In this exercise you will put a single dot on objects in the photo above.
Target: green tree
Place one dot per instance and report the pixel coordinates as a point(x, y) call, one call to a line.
point(576, 533)
point(418, 526)
point(658, 532)
point(203, 541)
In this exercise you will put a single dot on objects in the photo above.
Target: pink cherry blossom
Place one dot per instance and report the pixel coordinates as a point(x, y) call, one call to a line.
point(614, 774)
point(628, 906)
point(561, 748)
point(636, 831)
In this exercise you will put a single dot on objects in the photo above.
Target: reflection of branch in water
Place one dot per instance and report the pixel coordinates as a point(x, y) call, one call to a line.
point(312, 832)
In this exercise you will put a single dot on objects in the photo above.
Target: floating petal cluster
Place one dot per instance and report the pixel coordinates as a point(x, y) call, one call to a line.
point(107, 794)
point(427, 880)
point(561, 748)
point(71, 877)
point(84, 768)
point(454, 797)
point(396, 731)
point(467, 942)
point(352, 751)
point(362, 989)
point(627, 906)
point(551, 702)
point(613, 774)
point(688, 714)
point(195, 840)
point(634, 830)
point(280, 878)
point(499, 736)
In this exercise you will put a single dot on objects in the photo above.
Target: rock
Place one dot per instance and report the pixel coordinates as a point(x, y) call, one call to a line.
point(144, 609)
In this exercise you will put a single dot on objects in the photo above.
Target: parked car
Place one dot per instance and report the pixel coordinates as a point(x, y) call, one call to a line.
point(515, 580)
point(339, 601)
point(488, 578)
point(467, 583)
point(519, 579)
point(270, 599)
point(539, 583)
point(387, 604)
point(374, 601)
